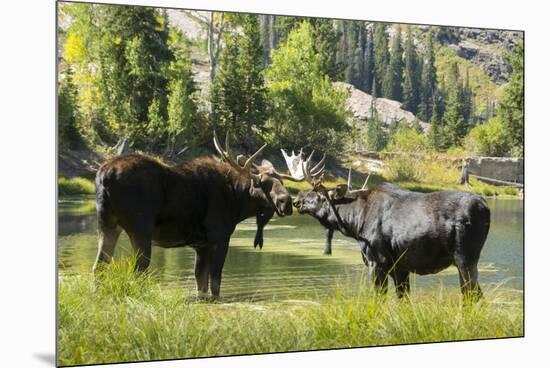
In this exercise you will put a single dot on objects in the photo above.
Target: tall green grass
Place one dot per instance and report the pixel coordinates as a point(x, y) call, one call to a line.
point(77, 185)
point(123, 316)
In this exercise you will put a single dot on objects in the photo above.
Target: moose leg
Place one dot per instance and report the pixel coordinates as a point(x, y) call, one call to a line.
point(108, 236)
point(141, 242)
point(201, 271)
point(261, 220)
point(216, 260)
point(328, 241)
point(401, 281)
point(380, 280)
point(467, 273)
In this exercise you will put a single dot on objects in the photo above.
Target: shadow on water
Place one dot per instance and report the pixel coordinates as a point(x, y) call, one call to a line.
point(291, 264)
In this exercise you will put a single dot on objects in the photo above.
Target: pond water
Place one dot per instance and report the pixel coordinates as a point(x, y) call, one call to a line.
point(291, 264)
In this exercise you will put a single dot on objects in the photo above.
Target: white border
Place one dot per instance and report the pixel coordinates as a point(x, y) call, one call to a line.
point(27, 183)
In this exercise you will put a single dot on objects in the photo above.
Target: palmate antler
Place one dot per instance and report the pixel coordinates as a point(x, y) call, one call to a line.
point(227, 156)
point(301, 170)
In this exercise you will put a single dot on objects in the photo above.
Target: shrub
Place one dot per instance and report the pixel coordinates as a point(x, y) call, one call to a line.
point(402, 168)
point(407, 140)
point(75, 186)
point(488, 139)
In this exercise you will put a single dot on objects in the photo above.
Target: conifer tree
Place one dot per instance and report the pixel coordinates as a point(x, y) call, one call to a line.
point(326, 39)
point(132, 55)
point(250, 70)
point(455, 127)
point(238, 95)
point(227, 107)
point(428, 81)
point(182, 106)
point(392, 85)
point(369, 62)
point(411, 87)
point(381, 55)
point(434, 130)
point(511, 106)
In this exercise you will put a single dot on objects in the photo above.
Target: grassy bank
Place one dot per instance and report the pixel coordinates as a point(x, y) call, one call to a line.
point(76, 185)
point(476, 186)
point(128, 317)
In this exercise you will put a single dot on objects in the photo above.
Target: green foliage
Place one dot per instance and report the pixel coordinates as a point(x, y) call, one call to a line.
point(351, 51)
point(405, 167)
point(224, 98)
point(489, 139)
point(239, 95)
point(434, 133)
point(133, 52)
point(119, 56)
point(77, 185)
point(483, 89)
point(511, 106)
point(68, 116)
point(381, 57)
point(325, 42)
point(183, 120)
point(369, 63)
point(376, 137)
point(411, 82)
point(428, 81)
point(454, 125)
point(305, 103)
point(392, 87)
point(407, 140)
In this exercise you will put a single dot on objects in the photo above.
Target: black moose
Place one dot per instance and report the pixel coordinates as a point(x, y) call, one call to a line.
point(197, 203)
point(400, 231)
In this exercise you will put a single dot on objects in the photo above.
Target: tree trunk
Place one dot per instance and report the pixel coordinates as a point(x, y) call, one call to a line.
point(464, 176)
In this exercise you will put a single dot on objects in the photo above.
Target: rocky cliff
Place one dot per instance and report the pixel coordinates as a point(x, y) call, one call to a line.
point(486, 48)
point(361, 106)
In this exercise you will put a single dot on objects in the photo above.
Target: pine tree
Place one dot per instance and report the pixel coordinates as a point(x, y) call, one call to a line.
point(467, 98)
point(392, 85)
point(226, 99)
point(455, 127)
point(250, 70)
point(238, 95)
point(369, 62)
point(182, 106)
point(326, 39)
point(381, 55)
point(132, 55)
point(428, 81)
point(511, 106)
point(411, 87)
point(68, 113)
point(434, 130)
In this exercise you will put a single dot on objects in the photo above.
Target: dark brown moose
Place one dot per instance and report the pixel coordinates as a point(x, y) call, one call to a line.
point(196, 203)
point(400, 231)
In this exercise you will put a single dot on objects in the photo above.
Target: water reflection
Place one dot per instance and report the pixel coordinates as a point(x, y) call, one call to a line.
point(291, 264)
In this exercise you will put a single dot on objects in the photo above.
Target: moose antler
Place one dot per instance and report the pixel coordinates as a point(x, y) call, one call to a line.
point(364, 187)
point(227, 156)
point(297, 166)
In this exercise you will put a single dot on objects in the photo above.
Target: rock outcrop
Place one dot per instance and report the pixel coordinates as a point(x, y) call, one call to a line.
point(487, 48)
point(361, 104)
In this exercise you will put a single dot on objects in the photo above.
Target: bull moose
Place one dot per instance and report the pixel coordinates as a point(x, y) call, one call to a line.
point(197, 203)
point(400, 231)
